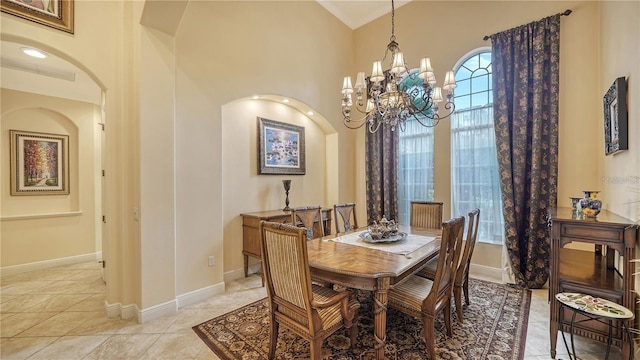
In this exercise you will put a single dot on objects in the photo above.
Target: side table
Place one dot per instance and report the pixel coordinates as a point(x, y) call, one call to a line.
point(595, 309)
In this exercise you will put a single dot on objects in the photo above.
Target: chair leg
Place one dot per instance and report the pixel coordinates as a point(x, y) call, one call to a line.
point(273, 337)
point(353, 331)
point(457, 296)
point(465, 287)
point(447, 318)
point(316, 349)
point(428, 325)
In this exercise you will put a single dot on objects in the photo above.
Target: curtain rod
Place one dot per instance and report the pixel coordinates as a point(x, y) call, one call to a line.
point(565, 13)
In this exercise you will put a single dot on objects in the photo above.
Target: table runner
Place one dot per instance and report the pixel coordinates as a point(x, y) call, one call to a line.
point(408, 245)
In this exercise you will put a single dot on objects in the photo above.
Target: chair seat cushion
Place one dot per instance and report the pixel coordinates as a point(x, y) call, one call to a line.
point(410, 294)
point(331, 315)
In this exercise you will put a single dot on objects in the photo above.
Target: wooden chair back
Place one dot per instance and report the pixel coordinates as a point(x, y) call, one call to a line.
point(286, 267)
point(347, 212)
point(448, 257)
point(462, 274)
point(424, 298)
point(311, 311)
point(427, 214)
point(310, 218)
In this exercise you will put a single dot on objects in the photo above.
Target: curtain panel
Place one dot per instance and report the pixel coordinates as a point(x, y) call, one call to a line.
point(526, 81)
point(381, 157)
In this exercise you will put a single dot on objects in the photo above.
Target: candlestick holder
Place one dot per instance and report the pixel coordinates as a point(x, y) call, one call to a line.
point(287, 187)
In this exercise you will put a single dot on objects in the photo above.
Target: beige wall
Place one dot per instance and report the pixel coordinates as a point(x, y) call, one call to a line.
point(103, 31)
point(40, 228)
point(456, 28)
point(226, 51)
point(619, 177)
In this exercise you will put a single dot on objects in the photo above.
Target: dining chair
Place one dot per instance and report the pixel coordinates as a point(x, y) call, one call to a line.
point(311, 219)
point(311, 311)
point(461, 282)
point(424, 298)
point(427, 214)
point(347, 213)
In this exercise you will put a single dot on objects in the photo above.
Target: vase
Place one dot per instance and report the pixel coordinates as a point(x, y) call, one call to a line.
point(589, 204)
point(574, 201)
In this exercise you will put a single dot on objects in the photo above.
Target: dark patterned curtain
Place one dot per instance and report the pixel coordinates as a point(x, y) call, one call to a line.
point(525, 94)
point(381, 156)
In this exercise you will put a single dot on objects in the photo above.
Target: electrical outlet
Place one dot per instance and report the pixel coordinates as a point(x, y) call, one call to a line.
point(212, 260)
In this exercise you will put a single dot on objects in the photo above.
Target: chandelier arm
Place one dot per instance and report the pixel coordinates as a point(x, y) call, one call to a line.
point(352, 124)
point(434, 120)
point(374, 125)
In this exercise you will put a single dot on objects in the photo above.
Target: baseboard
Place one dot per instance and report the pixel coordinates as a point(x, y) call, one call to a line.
point(157, 311)
point(124, 312)
point(199, 295)
point(486, 272)
point(239, 273)
point(47, 264)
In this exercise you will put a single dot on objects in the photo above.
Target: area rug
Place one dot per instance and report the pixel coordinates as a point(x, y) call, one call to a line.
point(494, 328)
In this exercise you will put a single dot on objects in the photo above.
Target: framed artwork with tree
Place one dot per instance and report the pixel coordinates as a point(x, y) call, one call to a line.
point(39, 163)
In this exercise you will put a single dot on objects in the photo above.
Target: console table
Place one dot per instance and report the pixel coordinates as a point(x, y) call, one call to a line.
point(596, 273)
point(251, 230)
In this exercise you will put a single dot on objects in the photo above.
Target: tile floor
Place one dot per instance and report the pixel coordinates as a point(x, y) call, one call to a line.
point(59, 314)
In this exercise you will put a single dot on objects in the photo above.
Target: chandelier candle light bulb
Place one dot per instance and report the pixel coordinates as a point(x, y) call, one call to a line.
point(397, 95)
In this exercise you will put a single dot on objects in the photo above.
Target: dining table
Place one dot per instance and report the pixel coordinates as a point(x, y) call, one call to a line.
point(348, 260)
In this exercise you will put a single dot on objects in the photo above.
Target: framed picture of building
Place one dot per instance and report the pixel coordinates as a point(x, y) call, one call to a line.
point(281, 148)
point(39, 163)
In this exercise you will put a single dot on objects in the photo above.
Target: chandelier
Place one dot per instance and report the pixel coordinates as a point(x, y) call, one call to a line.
point(396, 96)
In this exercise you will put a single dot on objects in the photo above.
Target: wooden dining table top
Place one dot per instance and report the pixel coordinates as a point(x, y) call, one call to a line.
point(367, 268)
point(330, 259)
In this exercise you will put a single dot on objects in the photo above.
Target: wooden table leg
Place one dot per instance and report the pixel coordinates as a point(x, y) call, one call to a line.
point(246, 265)
point(380, 317)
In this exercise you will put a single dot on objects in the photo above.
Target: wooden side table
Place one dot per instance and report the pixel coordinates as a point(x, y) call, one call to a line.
point(251, 233)
point(594, 309)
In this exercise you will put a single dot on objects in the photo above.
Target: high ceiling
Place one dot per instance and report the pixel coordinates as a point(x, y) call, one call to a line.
point(57, 77)
point(355, 13)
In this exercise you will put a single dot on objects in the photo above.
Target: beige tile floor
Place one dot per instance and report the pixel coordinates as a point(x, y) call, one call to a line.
point(59, 314)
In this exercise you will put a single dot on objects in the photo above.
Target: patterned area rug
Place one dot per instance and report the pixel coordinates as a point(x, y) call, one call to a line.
point(494, 328)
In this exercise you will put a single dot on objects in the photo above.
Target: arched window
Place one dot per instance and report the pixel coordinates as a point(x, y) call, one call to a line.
point(415, 163)
point(474, 165)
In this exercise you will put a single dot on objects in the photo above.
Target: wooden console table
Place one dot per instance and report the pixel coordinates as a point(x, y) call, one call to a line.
point(594, 273)
point(251, 230)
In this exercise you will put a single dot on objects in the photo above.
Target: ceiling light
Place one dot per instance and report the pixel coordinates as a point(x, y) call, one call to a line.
point(396, 95)
point(286, 101)
point(310, 113)
point(34, 53)
point(255, 97)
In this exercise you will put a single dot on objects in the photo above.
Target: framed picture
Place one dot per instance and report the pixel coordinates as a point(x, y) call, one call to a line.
point(615, 117)
point(280, 148)
point(57, 14)
point(39, 163)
